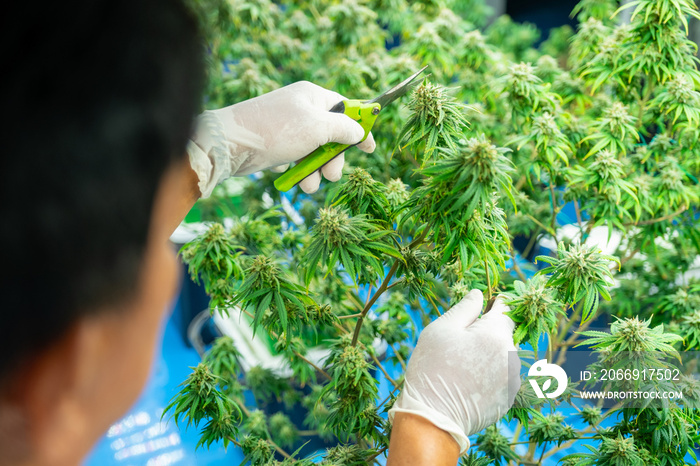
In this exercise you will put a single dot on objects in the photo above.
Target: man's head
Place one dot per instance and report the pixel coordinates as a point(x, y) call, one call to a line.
point(98, 98)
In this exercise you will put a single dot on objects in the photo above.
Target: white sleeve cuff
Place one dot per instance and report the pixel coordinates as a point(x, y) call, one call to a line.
point(201, 165)
point(210, 153)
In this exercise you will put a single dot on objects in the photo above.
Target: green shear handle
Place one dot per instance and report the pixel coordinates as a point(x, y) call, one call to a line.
point(365, 113)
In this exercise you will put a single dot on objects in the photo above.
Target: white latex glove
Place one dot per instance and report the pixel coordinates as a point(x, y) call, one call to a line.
point(269, 131)
point(464, 372)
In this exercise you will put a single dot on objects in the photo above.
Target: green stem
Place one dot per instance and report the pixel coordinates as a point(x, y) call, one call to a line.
point(296, 353)
point(382, 288)
point(488, 281)
point(629, 256)
point(544, 449)
point(660, 219)
point(389, 396)
point(379, 452)
point(570, 322)
point(516, 433)
point(533, 241)
point(278, 449)
point(435, 306)
point(398, 356)
point(553, 196)
point(381, 368)
point(516, 267)
point(541, 225)
point(579, 219)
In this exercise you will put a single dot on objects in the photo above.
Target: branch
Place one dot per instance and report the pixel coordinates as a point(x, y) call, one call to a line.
point(488, 279)
point(325, 374)
point(296, 353)
point(382, 288)
point(516, 267)
point(541, 225)
point(398, 356)
point(629, 256)
point(658, 220)
point(381, 368)
point(554, 206)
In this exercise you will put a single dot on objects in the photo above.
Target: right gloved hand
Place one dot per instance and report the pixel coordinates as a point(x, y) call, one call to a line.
point(272, 130)
point(465, 372)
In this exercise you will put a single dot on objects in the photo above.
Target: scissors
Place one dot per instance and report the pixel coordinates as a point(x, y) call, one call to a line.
point(364, 112)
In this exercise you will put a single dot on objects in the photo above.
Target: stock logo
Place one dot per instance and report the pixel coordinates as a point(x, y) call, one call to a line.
point(544, 369)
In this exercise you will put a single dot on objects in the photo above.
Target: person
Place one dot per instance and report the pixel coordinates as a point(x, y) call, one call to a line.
point(102, 158)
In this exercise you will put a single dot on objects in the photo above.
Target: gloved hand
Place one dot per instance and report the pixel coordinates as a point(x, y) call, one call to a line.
point(272, 130)
point(464, 372)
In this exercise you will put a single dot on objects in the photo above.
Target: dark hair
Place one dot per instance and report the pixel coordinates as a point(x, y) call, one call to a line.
point(98, 98)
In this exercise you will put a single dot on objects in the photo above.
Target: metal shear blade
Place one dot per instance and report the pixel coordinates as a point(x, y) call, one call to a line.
point(397, 91)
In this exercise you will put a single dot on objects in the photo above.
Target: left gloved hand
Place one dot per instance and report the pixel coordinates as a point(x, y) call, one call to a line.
point(465, 372)
point(272, 130)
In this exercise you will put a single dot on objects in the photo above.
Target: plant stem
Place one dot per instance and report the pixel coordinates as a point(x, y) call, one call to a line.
point(381, 368)
point(531, 244)
point(296, 353)
point(435, 306)
point(398, 356)
point(541, 225)
point(660, 219)
point(388, 396)
point(278, 449)
point(488, 280)
point(396, 283)
point(629, 256)
point(516, 433)
point(553, 196)
point(516, 267)
point(570, 342)
point(353, 297)
point(570, 322)
point(324, 373)
point(566, 445)
point(579, 219)
point(382, 288)
point(379, 452)
point(544, 449)
point(270, 441)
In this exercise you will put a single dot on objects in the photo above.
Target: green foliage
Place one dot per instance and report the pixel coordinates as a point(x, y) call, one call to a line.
point(354, 390)
point(201, 399)
point(613, 452)
point(496, 446)
point(534, 309)
point(496, 147)
point(551, 428)
point(580, 273)
point(356, 242)
point(267, 289)
point(633, 335)
point(436, 120)
point(212, 258)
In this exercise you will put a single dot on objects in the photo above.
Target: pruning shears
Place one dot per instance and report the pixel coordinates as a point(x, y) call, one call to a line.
point(365, 112)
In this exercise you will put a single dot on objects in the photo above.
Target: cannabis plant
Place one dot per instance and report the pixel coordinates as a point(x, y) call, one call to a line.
point(562, 176)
